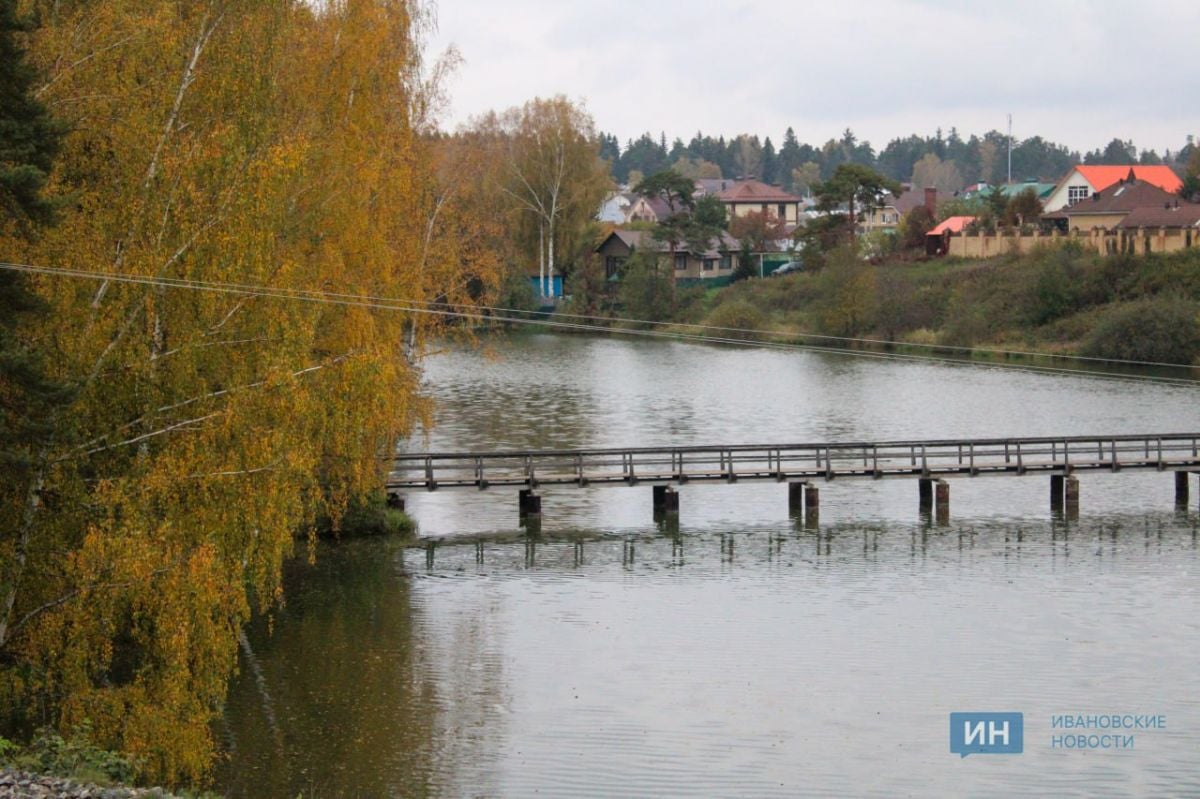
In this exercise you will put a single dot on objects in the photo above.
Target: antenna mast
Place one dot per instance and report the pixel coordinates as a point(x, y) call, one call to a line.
point(1010, 149)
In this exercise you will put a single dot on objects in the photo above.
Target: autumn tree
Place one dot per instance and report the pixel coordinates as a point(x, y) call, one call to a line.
point(933, 172)
point(283, 147)
point(554, 173)
point(805, 177)
point(696, 168)
point(756, 232)
point(1024, 208)
point(1190, 190)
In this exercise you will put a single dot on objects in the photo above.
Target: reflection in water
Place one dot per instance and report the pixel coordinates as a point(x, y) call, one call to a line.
point(347, 692)
point(768, 661)
point(731, 650)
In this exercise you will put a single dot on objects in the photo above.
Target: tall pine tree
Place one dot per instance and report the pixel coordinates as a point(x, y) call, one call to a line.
point(29, 140)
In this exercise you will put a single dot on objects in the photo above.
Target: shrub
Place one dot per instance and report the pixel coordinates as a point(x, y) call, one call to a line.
point(74, 758)
point(1160, 329)
point(368, 517)
point(737, 314)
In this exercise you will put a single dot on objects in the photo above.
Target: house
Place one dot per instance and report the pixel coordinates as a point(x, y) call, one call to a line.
point(1084, 181)
point(1108, 208)
point(1177, 215)
point(742, 197)
point(937, 241)
point(714, 264)
point(647, 209)
point(887, 215)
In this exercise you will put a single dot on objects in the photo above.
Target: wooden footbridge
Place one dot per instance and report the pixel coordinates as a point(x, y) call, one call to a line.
point(802, 466)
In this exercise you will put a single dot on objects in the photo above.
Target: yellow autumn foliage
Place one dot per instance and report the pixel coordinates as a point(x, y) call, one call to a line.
point(255, 142)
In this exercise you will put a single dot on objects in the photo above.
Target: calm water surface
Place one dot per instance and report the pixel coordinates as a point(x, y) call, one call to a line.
point(740, 653)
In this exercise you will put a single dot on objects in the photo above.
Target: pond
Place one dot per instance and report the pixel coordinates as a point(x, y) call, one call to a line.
point(739, 652)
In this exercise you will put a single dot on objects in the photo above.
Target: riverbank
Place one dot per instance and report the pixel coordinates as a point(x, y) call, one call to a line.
point(1059, 301)
point(23, 785)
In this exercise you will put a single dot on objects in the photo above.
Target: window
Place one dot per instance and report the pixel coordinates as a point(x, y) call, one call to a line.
point(727, 262)
point(1077, 193)
point(764, 209)
point(680, 261)
point(710, 264)
point(613, 264)
point(782, 211)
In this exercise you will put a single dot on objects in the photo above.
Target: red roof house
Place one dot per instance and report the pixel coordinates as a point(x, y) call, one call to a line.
point(1083, 181)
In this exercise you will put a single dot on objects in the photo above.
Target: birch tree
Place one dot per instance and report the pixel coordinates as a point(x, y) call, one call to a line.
point(553, 172)
point(280, 145)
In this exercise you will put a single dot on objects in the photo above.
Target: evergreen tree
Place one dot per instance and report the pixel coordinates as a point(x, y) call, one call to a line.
point(770, 162)
point(29, 136)
point(789, 158)
point(29, 140)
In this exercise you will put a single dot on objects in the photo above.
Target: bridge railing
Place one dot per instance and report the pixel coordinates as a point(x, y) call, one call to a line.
point(939, 458)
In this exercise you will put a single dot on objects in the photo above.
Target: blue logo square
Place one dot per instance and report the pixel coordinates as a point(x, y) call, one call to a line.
point(987, 733)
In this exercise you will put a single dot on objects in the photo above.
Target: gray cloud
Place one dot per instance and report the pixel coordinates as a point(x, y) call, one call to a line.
point(1076, 71)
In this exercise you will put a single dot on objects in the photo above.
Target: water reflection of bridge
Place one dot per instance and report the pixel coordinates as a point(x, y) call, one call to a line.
point(803, 541)
point(802, 466)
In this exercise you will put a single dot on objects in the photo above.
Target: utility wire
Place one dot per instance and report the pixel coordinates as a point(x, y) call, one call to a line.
point(477, 313)
point(557, 315)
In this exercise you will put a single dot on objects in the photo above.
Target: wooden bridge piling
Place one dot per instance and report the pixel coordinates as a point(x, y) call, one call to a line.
point(942, 502)
point(796, 498)
point(666, 499)
point(1181, 488)
point(925, 494)
point(812, 504)
point(528, 503)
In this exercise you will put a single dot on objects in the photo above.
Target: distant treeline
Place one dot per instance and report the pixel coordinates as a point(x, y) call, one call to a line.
point(796, 165)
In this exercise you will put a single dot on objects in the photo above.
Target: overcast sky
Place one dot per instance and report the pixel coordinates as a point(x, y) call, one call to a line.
point(1079, 72)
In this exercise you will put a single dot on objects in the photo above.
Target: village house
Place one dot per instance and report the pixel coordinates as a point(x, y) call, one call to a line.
point(715, 264)
point(1178, 215)
point(742, 197)
point(1109, 208)
point(887, 215)
point(1083, 181)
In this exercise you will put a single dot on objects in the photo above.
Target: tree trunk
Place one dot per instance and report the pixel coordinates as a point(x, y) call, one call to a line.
point(541, 258)
point(550, 265)
point(33, 497)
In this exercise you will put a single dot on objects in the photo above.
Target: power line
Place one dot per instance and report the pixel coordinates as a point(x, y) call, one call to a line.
point(605, 320)
point(477, 314)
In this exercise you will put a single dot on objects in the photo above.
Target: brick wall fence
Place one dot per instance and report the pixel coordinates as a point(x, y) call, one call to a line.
point(1109, 242)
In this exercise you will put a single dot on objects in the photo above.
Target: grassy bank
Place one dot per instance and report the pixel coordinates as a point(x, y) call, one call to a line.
point(1053, 301)
point(369, 516)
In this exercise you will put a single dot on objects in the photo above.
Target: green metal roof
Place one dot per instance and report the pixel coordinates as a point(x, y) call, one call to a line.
point(1043, 190)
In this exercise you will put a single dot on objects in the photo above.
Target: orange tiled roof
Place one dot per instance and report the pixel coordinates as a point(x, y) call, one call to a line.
point(1101, 177)
point(954, 224)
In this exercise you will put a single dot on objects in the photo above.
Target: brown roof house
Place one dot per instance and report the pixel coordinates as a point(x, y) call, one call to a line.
point(714, 265)
point(1083, 181)
point(1107, 209)
point(742, 197)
